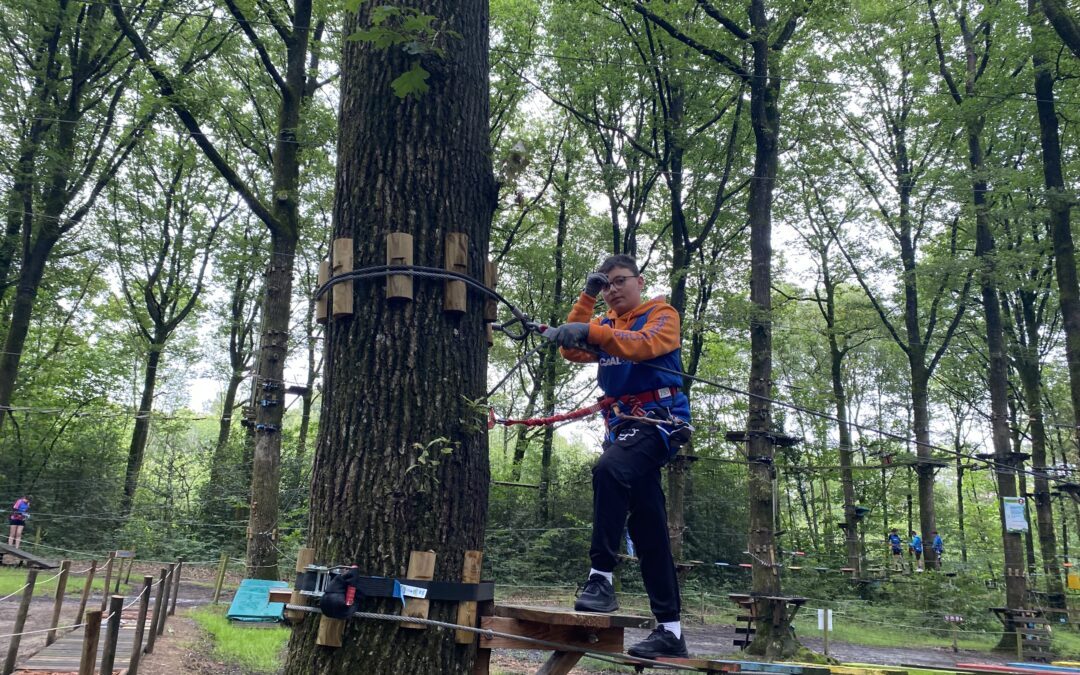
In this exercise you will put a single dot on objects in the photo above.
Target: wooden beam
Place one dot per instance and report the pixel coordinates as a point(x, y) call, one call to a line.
point(567, 617)
point(322, 304)
point(58, 601)
point(304, 557)
point(90, 642)
point(585, 637)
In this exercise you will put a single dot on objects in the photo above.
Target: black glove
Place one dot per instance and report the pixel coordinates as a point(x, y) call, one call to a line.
point(594, 283)
point(569, 335)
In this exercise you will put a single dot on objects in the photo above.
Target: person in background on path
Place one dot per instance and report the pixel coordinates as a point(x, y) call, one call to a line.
point(646, 425)
point(897, 551)
point(916, 550)
point(938, 546)
point(19, 513)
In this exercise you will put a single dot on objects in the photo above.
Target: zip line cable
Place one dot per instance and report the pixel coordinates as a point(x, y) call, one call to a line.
point(529, 326)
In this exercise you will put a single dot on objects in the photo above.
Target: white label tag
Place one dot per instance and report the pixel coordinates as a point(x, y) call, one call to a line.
point(413, 591)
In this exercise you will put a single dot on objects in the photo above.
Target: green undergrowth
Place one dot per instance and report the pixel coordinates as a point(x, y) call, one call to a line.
point(255, 648)
point(854, 631)
point(12, 579)
point(1066, 644)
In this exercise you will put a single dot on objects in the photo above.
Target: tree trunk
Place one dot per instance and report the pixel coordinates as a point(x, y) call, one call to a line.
point(771, 640)
point(960, 503)
point(401, 460)
point(262, 549)
point(141, 432)
point(997, 379)
point(1058, 203)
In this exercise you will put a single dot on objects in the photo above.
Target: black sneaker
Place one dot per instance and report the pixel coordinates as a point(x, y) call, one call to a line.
point(597, 595)
point(661, 642)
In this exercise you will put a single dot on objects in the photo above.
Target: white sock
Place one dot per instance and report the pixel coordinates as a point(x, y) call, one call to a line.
point(674, 627)
point(610, 576)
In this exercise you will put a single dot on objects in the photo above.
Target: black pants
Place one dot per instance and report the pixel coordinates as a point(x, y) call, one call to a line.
point(626, 481)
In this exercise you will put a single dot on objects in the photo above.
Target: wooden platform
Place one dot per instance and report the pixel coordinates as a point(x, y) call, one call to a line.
point(30, 558)
point(63, 656)
point(585, 630)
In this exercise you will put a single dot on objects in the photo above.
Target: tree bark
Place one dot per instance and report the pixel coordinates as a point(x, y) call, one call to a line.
point(401, 376)
point(141, 432)
point(1058, 203)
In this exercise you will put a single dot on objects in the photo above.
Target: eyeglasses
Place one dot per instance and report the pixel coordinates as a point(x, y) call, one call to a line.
point(619, 282)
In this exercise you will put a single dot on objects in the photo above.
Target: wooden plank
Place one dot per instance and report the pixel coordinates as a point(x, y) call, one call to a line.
point(585, 637)
point(36, 561)
point(707, 665)
point(466, 611)
point(285, 595)
point(560, 616)
point(421, 568)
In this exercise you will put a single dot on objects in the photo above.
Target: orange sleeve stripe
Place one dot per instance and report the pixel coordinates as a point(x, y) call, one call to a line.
point(659, 336)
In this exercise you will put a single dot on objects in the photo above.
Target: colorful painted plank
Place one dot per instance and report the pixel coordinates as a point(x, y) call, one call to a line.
point(1049, 668)
point(993, 668)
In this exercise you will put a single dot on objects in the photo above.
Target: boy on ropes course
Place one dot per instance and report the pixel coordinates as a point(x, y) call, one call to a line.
point(647, 423)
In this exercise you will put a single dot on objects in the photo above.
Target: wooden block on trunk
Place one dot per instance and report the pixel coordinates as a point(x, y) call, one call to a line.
point(342, 261)
point(399, 251)
point(457, 260)
point(330, 632)
point(304, 557)
point(322, 303)
point(422, 568)
point(466, 613)
point(584, 637)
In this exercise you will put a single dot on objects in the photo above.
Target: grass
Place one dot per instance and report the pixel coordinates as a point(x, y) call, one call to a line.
point(875, 635)
point(13, 578)
point(257, 649)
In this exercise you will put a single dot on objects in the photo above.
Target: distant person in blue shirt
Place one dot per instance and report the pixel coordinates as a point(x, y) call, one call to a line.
point(897, 552)
point(939, 547)
point(20, 511)
point(916, 549)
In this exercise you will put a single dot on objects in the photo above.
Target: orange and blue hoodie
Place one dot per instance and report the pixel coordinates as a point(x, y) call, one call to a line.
point(647, 334)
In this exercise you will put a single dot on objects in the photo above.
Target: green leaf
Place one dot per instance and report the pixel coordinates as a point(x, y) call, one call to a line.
point(411, 82)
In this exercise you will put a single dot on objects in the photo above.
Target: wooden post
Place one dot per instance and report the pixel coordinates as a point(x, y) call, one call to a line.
point(466, 611)
point(167, 586)
point(491, 278)
point(90, 641)
point(58, 601)
point(399, 251)
point(341, 261)
point(304, 557)
point(176, 586)
point(20, 622)
point(131, 563)
point(421, 567)
point(1019, 644)
point(108, 580)
point(158, 602)
point(955, 632)
point(457, 260)
point(140, 625)
point(86, 591)
point(119, 576)
point(322, 304)
point(220, 576)
point(112, 632)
